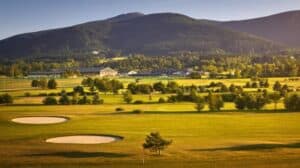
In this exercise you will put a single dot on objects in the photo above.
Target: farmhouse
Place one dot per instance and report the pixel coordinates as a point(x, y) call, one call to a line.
point(89, 71)
point(108, 72)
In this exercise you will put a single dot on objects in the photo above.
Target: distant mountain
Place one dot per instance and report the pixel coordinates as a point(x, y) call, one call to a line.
point(283, 28)
point(154, 34)
point(125, 17)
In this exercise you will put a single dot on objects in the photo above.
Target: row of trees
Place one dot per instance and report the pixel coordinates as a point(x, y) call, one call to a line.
point(242, 66)
point(64, 99)
point(103, 84)
point(44, 83)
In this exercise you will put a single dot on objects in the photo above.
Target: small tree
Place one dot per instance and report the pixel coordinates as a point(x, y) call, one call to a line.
point(43, 83)
point(75, 98)
point(275, 97)
point(155, 143)
point(97, 99)
point(127, 97)
point(200, 104)
point(292, 102)
point(49, 100)
point(160, 87)
point(84, 100)
point(79, 89)
point(240, 102)
point(277, 86)
point(6, 99)
point(215, 102)
point(64, 100)
point(34, 83)
point(52, 84)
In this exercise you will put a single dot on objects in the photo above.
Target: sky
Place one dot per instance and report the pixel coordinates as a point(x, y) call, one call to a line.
point(21, 16)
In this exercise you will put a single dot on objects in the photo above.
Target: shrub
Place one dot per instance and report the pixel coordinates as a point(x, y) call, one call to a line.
point(228, 97)
point(127, 97)
point(6, 99)
point(200, 104)
point(215, 102)
point(43, 94)
point(35, 83)
point(161, 100)
point(97, 99)
point(49, 100)
point(52, 84)
point(137, 111)
point(292, 102)
point(52, 94)
point(138, 102)
point(79, 89)
point(84, 100)
point(118, 109)
point(64, 100)
point(27, 94)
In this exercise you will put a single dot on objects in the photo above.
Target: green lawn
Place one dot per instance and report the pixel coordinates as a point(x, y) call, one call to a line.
point(230, 139)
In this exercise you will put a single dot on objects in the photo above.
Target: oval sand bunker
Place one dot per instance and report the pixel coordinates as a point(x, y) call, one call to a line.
point(84, 139)
point(39, 120)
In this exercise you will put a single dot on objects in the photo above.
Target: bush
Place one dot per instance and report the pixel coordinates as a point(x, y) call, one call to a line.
point(215, 102)
point(97, 99)
point(138, 102)
point(200, 104)
point(43, 94)
point(84, 100)
point(6, 99)
point(50, 100)
point(228, 97)
point(292, 103)
point(127, 97)
point(52, 94)
point(52, 84)
point(79, 89)
point(118, 109)
point(27, 94)
point(137, 111)
point(64, 100)
point(161, 100)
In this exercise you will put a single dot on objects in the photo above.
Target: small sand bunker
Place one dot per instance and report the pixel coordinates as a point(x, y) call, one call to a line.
point(84, 139)
point(40, 120)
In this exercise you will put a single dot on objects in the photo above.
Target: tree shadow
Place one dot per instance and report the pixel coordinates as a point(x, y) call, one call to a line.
point(252, 147)
point(79, 154)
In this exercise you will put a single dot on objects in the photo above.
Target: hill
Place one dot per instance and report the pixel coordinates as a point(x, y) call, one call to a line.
point(154, 34)
point(283, 28)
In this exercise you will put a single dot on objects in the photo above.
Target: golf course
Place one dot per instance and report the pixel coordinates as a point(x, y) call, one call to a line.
point(225, 138)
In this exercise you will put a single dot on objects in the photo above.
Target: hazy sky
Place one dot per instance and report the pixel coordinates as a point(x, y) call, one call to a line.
point(19, 16)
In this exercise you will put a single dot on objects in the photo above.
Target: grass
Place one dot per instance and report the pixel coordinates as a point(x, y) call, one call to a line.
point(237, 134)
point(205, 139)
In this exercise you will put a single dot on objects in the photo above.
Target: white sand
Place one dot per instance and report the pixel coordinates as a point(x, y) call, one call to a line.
point(83, 139)
point(39, 120)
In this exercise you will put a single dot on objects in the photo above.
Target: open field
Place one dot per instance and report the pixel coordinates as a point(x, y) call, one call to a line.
point(231, 138)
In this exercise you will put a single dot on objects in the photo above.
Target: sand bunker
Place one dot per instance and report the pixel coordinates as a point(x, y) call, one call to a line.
point(84, 139)
point(40, 120)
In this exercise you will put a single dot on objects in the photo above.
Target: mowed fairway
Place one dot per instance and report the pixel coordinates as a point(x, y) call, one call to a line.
point(226, 139)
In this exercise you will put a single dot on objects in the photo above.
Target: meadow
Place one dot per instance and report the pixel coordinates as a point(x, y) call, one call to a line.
point(231, 138)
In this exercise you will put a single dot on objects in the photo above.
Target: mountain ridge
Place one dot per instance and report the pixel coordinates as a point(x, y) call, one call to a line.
point(151, 34)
